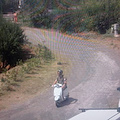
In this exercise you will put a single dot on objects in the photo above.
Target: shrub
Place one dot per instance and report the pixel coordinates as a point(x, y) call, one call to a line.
point(103, 13)
point(47, 55)
point(8, 5)
point(97, 15)
point(44, 21)
point(11, 41)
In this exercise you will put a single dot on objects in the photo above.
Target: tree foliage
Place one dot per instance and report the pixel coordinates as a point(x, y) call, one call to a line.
point(104, 13)
point(8, 5)
point(11, 41)
point(75, 16)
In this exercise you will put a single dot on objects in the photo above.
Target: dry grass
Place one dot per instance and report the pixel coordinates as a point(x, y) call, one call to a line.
point(31, 78)
point(35, 82)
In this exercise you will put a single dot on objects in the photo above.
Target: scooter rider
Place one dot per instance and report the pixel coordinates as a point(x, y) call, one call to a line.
point(60, 79)
point(60, 89)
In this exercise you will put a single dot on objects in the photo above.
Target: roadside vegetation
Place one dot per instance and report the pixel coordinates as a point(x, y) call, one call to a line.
point(38, 56)
point(73, 16)
point(11, 41)
point(20, 55)
point(8, 6)
point(20, 59)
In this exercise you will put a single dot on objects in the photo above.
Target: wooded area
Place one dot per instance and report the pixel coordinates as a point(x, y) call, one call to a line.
point(73, 16)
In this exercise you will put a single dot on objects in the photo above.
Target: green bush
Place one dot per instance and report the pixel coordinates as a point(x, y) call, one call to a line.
point(103, 14)
point(11, 41)
point(8, 6)
point(75, 16)
point(47, 55)
point(44, 21)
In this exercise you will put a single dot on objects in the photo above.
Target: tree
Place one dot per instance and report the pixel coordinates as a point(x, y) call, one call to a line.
point(8, 5)
point(11, 41)
point(2, 3)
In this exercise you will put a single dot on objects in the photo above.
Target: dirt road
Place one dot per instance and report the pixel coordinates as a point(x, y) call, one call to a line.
point(92, 81)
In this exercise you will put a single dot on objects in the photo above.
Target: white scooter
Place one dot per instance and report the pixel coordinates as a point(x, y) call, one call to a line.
point(59, 95)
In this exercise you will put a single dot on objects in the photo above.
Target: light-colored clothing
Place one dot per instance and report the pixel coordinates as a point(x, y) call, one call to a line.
point(61, 80)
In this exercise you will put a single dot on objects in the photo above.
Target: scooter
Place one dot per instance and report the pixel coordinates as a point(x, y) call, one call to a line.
point(59, 95)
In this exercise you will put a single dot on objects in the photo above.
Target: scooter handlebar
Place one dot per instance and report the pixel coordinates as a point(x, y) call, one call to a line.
point(57, 85)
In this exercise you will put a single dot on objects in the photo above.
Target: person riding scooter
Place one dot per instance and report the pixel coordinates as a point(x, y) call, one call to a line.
point(60, 89)
point(61, 80)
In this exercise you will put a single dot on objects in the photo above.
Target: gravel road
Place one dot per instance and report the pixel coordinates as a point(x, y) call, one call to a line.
point(92, 82)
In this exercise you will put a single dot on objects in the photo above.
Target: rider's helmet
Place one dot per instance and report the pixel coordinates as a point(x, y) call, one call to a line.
point(60, 72)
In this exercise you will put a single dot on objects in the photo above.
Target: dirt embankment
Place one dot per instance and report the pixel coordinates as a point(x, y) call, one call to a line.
point(107, 39)
point(110, 41)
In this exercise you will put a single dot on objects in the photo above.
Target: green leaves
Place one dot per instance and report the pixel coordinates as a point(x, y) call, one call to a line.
point(74, 16)
point(8, 6)
point(11, 41)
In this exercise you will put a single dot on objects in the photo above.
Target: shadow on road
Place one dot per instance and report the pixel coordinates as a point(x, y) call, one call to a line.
point(118, 88)
point(69, 101)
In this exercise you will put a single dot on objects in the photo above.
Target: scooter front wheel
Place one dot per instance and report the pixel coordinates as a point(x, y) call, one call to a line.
point(57, 104)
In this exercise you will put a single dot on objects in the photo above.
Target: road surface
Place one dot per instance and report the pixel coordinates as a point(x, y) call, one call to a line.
point(92, 82)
